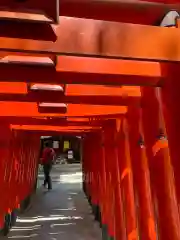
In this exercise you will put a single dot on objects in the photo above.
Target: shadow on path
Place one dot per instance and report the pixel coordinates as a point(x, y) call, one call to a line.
point(62, 213)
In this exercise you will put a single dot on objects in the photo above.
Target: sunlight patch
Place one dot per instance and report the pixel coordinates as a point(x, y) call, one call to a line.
point(71, 178)
point(50, 218)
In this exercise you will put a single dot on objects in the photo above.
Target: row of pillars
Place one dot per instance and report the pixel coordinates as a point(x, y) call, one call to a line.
point(132, 168)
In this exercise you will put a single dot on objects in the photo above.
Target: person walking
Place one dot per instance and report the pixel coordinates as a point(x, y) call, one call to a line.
point(48, 155)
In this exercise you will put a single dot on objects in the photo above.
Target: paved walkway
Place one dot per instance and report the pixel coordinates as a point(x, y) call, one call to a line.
point(63, 213)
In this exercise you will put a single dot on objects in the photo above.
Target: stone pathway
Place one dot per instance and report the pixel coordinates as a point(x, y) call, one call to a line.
point(62, 213)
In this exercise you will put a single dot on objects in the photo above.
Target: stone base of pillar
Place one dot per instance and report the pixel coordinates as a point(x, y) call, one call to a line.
point(110, 238)
point(104, 232)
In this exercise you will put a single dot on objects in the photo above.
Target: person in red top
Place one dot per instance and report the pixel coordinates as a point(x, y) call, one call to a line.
point(48, 155)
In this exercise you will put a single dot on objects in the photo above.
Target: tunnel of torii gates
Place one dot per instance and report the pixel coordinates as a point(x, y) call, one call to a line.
point(107, 71)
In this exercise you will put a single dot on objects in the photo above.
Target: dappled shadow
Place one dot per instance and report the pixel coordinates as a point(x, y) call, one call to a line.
point(45, 227)
point(65, 178)
point(73, 176)
point(62, 213)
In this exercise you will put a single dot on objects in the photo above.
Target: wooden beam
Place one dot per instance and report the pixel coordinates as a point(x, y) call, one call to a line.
point(21, 109)
point(118, 10)
point(36, 59)
point(86, 37)
point(90, 90)
point(74, 94)
point(54, 128)
point(72, 89)
point(82, 70)
point(45, 132)
point(47, 121)
point(112, 10)
point(78, 99)
point(30, 11)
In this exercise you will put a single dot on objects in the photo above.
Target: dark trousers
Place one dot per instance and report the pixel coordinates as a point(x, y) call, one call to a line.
point(47, 179)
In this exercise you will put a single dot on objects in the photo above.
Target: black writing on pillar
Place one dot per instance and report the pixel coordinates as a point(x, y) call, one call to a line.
point(141, 142)
point(161, 135)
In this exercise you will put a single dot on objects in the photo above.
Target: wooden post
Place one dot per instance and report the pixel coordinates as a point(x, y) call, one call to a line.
point(141, 175)
point(161, 169)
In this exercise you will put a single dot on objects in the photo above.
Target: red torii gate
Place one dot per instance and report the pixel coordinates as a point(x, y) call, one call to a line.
point(145, 172)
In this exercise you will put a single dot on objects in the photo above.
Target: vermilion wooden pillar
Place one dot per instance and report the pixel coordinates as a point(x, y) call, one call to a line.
point(121, 214)
point(141, 175)
point(120, 220)
point(14, 169)
point(110, 194)
point(84, 167)
point(170, 94)
point(126, 178)
point(89, 161)
point(98, 183)
point(87, 168)
point(94, 166)
point(161, 171)
point(103, 185)
point(5, 171)
point(95, 170)
point(91, 172)
point(117, 223)
point(105, 190)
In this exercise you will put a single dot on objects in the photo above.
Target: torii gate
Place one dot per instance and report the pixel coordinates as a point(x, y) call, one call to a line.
point(70, 50)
